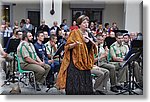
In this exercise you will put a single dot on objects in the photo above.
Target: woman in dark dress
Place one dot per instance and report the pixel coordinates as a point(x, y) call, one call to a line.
point(75, 75)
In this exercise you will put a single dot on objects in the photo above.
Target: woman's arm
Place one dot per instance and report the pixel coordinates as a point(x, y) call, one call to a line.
point(71, 46)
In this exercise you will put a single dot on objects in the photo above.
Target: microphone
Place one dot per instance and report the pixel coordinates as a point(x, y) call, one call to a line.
point(91, 35)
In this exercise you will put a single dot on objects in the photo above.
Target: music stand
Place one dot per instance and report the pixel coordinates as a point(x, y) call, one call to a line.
point(128, 62)
point(58, 52)
point(136, 46)
point(12, 47)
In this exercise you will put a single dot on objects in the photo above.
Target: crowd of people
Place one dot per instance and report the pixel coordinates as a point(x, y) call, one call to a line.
point(81, 59)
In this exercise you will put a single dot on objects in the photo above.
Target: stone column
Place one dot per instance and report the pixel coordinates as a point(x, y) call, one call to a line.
point(133, 16)
point(46, 6)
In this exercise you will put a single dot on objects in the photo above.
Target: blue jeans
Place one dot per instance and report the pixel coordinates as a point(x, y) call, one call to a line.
point(55, 66)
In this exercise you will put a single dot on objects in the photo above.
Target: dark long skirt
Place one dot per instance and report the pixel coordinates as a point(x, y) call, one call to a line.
point(79, 82)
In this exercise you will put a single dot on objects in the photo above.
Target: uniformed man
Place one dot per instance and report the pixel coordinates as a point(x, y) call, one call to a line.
point(51, 48)
point(117, 53)
point(102, 62)
point(134, 49)
point(126, 38)
point(102, 76)
point(30, 61)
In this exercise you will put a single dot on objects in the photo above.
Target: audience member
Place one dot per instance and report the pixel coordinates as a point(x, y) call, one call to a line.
point(27, 27)
point(43, 27)
point(74, 26)
point(30, 61)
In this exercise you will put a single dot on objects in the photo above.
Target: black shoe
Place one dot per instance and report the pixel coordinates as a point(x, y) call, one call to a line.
point(37, 87)
point(114, 89)
point(97, 92)
point(50, 86)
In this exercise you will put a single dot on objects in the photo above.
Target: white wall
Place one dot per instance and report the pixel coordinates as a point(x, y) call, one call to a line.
point(67, 13)
point(133, 16)
point(49, 19)
point(113, 12)
point(20, 10)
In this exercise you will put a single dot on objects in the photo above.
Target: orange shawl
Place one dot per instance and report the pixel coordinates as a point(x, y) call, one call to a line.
point(81, 59)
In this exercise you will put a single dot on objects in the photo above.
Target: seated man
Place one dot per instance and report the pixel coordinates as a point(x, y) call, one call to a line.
point(30, 61)
point(100, 85)
point(4, 57)
point(102, 62)
point(136, 46)
point(14, 36)
point(51, 48)
point(117, 52)
point(41, 52)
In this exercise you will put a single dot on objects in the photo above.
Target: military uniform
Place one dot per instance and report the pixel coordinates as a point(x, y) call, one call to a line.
point(128, 44)
point(49, 48)
point(55, 66)
point(26, 49)
point(119, 51)
point(103, 64)
point(102, 78)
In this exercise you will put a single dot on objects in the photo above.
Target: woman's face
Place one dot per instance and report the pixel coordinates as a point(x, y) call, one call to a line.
point(84, 25)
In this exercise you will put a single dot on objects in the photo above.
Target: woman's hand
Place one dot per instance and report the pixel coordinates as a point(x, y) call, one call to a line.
point(86, 38)
point(76, 43)
point(89, 39)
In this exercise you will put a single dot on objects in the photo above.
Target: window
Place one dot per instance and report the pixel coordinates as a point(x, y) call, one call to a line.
point(93, 14)
point(5, 13)
point(34, 17)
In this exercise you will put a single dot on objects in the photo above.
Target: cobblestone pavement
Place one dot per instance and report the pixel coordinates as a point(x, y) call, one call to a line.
point(28, 90)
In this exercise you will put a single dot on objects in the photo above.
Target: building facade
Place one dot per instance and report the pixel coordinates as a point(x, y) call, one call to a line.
point(127, 15)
